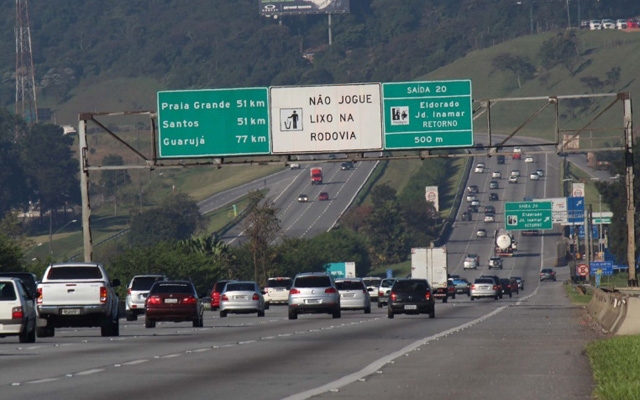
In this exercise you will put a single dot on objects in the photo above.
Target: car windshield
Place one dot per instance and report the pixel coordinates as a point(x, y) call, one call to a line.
point(279, 283)
point(349, 285)
point(171, 288)
point(7, 292)
point(144, 282)
point(313, 281)
point(240, 287)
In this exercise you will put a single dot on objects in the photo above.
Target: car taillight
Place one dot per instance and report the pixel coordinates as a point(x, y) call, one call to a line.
point(189, 300)
point(393, 296)
point(153, 300)
point(380, 293)
point(103, 294)
point(428, 295)
point(294, 291)
point(255, 297)
point(16, 313)
point(224, 297)
point(330, 290)
point(473, 286)
point(39, 299)
point(495, 287)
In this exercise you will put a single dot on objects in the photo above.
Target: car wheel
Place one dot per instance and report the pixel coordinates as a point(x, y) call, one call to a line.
point(432, 313)
point(149, 323)
point(130, 316)
point(198, 322)
point(260, 313)
point(115, 327)
point(390, 314)
point(445, 299)
point(28, 335)
point(472, 298)
point(367, 310)
point(496, 297)
point(266, 306)
point(223, 314)
point(510, 295)
point(293, 314)
point(106, 327)
point(453, 297)
point(379, 305)
point(47, 331)
point(336, 313)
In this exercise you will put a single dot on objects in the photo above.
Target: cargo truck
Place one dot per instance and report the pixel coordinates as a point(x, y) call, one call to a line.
point(342, 269)
point(316, 176)
point(431, 264)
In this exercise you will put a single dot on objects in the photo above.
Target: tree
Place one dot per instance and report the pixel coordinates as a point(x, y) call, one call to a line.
point(520, 66)
point(51, 170)
point(10, 254)
point(613, 76)
point(385, 228)
point(561, 49)
point(592, 82)
point(12, 178)
point(177, 218)
point(262, 227)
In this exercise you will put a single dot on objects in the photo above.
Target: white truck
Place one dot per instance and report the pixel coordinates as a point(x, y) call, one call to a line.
point(430, 263)
point(341, 269)
point(505, 243)
point(77, 295)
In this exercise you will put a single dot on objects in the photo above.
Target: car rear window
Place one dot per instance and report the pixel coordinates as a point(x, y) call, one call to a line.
point(240, 287)
point(219, 286)
point(387, 283)
point(409, 286)
point(279, 283)
point(372, 282)
point(66, 273)
point(7, 291)
point(350, 285)
point(144, 282)
point(312, 281)
point(484, 280)
point(172, 288)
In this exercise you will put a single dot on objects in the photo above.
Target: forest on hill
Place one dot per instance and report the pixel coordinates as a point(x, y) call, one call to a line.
point(215, 43)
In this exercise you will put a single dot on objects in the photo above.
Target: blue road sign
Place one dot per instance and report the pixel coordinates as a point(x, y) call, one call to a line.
point(605, 266)
point(575, 210)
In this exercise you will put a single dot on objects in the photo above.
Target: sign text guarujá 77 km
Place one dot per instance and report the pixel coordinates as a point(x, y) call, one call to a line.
point(213, 123)
point(427, 114)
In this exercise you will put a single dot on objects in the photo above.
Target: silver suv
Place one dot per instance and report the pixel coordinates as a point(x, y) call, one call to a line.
point(137, 293)
point(313, 293)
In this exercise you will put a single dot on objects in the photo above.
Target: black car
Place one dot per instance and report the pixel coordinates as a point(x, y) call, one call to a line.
point(466, 216)
point(472, 209)
point(411, 296)
point(493, 197)
point(506, 286)
point(347, 165)
point(500, 159)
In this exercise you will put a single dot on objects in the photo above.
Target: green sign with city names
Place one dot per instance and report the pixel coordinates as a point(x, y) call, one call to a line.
point(427, 114)
point(213, 123)
point(528, 215)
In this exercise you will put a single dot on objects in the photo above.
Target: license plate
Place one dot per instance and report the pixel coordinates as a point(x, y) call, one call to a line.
point(279, 289)
point(240, 297)
point(345, 295)
point(410, 307)
point(70, 311)
point(312, 301)
point(171, 301)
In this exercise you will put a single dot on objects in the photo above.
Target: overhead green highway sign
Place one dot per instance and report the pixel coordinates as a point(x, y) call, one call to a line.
point(528, 215)
point(213, 123)
point(427, 114)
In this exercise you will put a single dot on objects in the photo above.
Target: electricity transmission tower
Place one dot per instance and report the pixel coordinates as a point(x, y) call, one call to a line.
point(26, 105)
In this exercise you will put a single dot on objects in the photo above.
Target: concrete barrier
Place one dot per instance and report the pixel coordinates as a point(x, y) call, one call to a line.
point(616, 312)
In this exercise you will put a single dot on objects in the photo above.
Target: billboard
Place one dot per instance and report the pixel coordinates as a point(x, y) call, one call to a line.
point(290, 7)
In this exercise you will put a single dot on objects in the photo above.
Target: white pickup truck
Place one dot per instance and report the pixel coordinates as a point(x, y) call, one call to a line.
point(77, 295)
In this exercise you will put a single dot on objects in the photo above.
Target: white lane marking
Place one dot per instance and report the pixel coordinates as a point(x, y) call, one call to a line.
point(90, 372)
point(135, 362)
point(42, 381)
point(171, 356)
point(381, 362)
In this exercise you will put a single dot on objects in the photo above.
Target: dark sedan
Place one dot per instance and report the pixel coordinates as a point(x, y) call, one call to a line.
point(411, 296)
point(174, 301)
point(506, 286)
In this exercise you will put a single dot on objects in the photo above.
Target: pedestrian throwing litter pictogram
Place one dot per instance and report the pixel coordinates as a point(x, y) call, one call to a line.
point(291, 119)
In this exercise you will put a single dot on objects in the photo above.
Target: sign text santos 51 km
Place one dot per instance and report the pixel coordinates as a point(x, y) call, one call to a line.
point(213, 123)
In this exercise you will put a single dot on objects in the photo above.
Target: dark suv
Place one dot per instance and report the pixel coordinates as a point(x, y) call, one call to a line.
point(411, 296)
point(28, 279)
point(313, 293)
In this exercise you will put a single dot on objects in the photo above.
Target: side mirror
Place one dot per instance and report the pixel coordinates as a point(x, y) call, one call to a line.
point(115, 283)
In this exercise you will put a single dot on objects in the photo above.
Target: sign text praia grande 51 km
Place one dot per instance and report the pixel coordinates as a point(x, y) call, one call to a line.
point(427, 114)
point(213, 123)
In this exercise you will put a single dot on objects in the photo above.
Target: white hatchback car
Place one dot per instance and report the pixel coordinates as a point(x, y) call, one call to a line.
point(373, 284)
point(354, 294)
point(17, 311)
point(479, 168)
point(496, 174)
point(516, 173)
point(528, 159)
point(513, 179)
point(489, 218)
point(534, 176)
point(608, 24)
point(470, 263)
